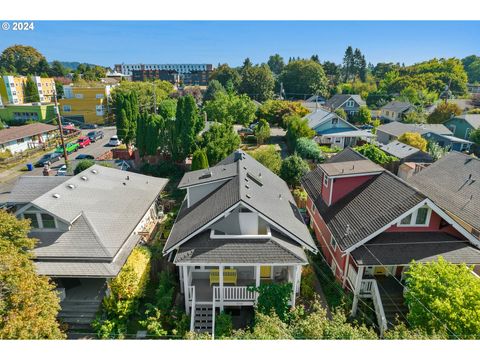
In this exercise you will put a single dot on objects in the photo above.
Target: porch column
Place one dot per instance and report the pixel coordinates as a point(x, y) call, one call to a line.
point(295, 281)
point(356, 291)
point(185, 287)
point(220, 283)
point(257, 276)
point(299, 277)
point(180, 274)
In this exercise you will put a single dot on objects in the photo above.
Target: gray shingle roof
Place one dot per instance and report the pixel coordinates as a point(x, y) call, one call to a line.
point(399, 248)
point(337, 100)
point(367, 208)
point(28, 188)
point(398, 128)
point(397, 106)
point(363, 166)
point(446, 182)
point(276, 250)
point(472, 119)
point(203, 176)
point(399, 149)
point(347, 154)
point(271, 198)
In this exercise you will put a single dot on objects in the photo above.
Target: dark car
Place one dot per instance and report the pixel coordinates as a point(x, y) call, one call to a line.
point(48, 159)
point(85, 157)
point(95, 135)
point(88, 126)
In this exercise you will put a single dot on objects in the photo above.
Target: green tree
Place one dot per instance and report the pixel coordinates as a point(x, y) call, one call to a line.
point(274, 297)
point(443, 297)
point(214, 87)
point(475, 136)
point(304, 78)
point(59, 89)
point(257, 82)
point(436, 151)
point(31, 91)
point(167, 109)
point(276, 63)
point(443, 112)
point(293, 169)
point(230, 109)
point(296, 129)
point(308, 149)
point(146, 91)
point(19, 59)
point(269, 157)
point(199, 160)
point(83, 165)
point(363, 116)
point(342, 113)
point(223, 325)
point(28, 302)
point(57, 69)
point(375, 154)
point(276, 111)
point(188, 124)
point(262, 131)
point(225, 75)
point(414, 139)
point(219, 141)
point(472, 67)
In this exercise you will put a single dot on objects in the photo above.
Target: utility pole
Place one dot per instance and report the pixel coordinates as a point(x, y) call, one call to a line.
point(60, 128)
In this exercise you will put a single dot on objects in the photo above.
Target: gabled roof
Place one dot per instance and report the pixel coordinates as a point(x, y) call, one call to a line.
point(350, 168)
point(366, 209)
point(321, 116)
point(472, 119)
point(397, 106)
point(254, 186)
point(399, 149)
point(338, 100)
point(212, 174)
point(453, 183)
point(347, 154)
point(28, 188)
point(397, 128)
point(19, 132)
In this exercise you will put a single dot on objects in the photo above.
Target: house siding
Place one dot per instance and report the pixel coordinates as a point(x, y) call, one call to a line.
point(343, 186)
point(459, 127)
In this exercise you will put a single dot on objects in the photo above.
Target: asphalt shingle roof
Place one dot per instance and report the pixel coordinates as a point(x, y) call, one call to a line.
point(399, 149)
point(347, 154)
point(277, 249)
point(350, 167)
point(397, 248)
point(28, 188)
point(337, 100)
point(257, 187)
point(398, 128)
point(397, 106)
point(472, 119)
point(453, 183)
point(19, 132)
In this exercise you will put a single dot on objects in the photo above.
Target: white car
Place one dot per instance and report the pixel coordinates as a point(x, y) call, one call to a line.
point(62, 171)
point(114, 141)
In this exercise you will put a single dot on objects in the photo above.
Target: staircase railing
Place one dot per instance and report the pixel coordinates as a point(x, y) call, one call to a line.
point(213, 314)
point(191, 296)
point(369, 288)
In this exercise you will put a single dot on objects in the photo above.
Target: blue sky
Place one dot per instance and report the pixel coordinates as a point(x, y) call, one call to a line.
point(110, 42)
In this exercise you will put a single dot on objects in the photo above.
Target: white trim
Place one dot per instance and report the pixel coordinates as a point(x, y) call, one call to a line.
point(325, 180)
point(331, 194)
point(268, 235)
point(413, 218)
point(206, 182)
point(356, 175)
point(235, 264)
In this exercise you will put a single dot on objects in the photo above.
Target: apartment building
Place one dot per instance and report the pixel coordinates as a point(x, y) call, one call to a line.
point(85, 104)
point(12, 89)
point(127, 69)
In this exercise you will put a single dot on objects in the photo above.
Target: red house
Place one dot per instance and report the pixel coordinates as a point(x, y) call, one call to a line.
point(370, 225)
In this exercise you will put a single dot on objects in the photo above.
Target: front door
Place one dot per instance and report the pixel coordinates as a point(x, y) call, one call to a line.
point(265, 272)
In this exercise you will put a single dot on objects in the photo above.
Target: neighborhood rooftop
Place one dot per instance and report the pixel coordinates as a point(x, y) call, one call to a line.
point(398, 129)
point(20, 132)
point(338, 100)
point(399, 149)
point(397, 106)
point(350, 167)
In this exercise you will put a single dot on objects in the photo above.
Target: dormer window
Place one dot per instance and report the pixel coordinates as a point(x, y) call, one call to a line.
point(420, 217)
point(33, 220)
point(325, 180)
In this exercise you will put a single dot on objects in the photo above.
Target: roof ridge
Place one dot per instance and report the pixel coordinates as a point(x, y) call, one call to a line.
point(275, 241)
point(92, 228)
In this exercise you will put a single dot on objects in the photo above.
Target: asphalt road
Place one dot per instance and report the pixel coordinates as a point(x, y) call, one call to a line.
point(9, 177)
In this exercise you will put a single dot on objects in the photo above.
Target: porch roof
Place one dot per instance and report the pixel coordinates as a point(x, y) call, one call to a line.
point(276, 250)
point(402, 248)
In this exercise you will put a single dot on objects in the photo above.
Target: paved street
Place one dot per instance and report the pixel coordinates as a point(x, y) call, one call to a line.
point(8, 177)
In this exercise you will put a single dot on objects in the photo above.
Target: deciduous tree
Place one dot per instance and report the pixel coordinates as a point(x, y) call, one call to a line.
point(304, 78)
point(292, 170)
point(415, 140)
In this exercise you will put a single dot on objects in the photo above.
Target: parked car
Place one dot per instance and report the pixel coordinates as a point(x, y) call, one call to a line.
point(88, 126)
point(95, 135)
point(48, 159)
point(85, 157)
point(83, 141)
point(62, 171)
point(253, 125)
point(70, 147)
point(114, 141)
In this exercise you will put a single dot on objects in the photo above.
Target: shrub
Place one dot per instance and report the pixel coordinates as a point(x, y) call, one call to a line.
point(307, 287)
point(5, 154)
point(268, 156)
point(375, 154)
point(83, 165)
point(415, 140)
point(223, 325)
point(292, 170)
point(273, 297)
point(199, 160)
point(153, 322)
point(251, 139)
point(309, 149)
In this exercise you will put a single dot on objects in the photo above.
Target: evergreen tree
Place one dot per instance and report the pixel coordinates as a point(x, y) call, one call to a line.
point(276, 64)
point(199, 160)
point(348, 64)
point(31, 91)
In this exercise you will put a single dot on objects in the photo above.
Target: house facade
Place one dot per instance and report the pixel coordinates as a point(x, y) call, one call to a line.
point(85, 104)
point(332, 130)
point(395, 111)
point(86, 226)
point(463, 125)
point(238, 227)
point(370, 225)
point(350, 103)
point(20, 138)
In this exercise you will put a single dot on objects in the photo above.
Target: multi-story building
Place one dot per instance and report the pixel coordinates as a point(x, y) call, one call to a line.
point(12, 89)
point(21, 113)
point(85, 104)
point(171, 76)
point(127, 69)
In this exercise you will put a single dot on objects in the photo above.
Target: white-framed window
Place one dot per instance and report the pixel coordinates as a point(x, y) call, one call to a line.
point(79, 96)
point(67, 108)
point(350, 103)
point(325, 180)
point(467, 133)
point(314, 208)
point(452, 128)
point(333, 243)
point(99, 96)
point(40, 220)
point(334, 121)
point(99, 110)
point(420, 217)
point(333, 266)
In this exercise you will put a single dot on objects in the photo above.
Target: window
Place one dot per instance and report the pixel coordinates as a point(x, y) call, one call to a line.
point(48, 221)
point(333, 266)
point(333, 243)
point(33, 220)
point(99, 96)
point(420, 217)
point(67, 108)
point(334, 121)
point(79, 96)
point(467, 133)
point(325, 180)
point(350, 103)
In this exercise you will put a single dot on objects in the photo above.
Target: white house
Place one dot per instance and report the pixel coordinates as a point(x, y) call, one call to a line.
point(20, 138)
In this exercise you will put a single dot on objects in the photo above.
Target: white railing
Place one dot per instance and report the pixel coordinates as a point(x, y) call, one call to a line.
point(214, 311)
point(352, 275)
point(377, 302)
point(366, 287)
point(191, 299)
point(234, 293)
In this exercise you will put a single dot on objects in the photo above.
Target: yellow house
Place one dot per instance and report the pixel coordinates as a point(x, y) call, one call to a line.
point(12, 89)
point(86, 104)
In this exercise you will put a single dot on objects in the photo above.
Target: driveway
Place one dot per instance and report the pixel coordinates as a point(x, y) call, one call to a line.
point(9, 177)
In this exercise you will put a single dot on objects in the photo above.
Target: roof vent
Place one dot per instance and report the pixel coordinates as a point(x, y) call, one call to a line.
point(248, 196)
point(71, 186)
point(246, 185)
point(280, 196)
point(206, 175)
point(347, 230)
point(84, 178)
point(56, 196)
point(237, 156)
point(255, 179)
point(127, 178)
point(94, 171)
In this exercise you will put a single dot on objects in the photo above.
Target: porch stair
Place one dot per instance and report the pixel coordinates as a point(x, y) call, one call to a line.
point(203, 318)
point(78, 314)
point(391, 293)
